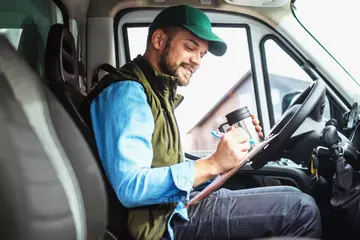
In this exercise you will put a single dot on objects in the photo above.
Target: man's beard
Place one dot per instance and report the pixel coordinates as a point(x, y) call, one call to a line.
point(172, 70)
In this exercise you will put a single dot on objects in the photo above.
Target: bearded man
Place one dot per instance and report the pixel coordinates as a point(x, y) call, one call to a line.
point(139, 145)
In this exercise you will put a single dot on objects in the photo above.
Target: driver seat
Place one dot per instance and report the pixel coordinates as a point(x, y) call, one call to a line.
point(62, 77)
point(51, 185)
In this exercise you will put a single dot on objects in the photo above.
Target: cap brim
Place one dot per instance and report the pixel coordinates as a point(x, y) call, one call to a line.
point(216, 45)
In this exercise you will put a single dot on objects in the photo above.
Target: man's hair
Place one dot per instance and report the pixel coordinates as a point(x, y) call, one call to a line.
point(170, 31)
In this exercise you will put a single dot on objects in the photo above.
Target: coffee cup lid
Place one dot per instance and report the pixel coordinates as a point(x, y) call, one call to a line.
point(237, 115)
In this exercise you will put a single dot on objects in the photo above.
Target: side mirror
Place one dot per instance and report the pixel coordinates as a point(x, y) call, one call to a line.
point(288, 99)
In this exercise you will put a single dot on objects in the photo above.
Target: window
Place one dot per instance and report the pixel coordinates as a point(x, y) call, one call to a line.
point(221, 85)
point(286, 79)
point(26, 25)
point(335, 25)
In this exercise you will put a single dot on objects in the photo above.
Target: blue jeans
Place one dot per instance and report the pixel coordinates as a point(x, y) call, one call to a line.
point(251, 213)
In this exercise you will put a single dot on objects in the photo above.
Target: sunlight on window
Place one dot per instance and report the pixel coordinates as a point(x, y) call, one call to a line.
point(280, 63)
point(335, 25)
point(285, 77)
point(13, 35)
point(137, 40)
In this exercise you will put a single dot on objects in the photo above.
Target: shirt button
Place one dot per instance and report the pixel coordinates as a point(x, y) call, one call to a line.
point(183, 198)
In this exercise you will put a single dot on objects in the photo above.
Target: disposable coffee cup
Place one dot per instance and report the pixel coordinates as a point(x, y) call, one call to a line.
point(241, 118)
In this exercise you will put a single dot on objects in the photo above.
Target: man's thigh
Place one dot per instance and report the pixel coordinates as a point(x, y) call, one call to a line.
point(242, 214)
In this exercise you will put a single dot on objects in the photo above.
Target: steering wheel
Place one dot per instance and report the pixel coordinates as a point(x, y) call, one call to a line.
point(311, 98)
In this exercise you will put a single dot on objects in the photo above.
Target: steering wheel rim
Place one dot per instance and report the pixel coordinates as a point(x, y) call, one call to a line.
point(287, 125)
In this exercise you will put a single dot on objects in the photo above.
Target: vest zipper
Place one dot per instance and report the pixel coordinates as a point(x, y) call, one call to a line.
point(167, 128)
point(178, 132)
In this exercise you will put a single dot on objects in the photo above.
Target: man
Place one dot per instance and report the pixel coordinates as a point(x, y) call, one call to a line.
point(138, 141)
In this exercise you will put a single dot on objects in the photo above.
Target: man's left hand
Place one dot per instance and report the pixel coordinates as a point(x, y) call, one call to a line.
point(256, 123)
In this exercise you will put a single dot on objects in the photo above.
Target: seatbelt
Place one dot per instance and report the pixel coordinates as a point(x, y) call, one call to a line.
point(105, 67)
point(84, 108)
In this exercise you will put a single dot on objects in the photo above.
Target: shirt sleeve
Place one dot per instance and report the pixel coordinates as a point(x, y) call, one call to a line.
point(123, 125)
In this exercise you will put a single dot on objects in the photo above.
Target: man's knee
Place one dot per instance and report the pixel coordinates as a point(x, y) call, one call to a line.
point(305, 215)
point(288, 189)
point(309, 207)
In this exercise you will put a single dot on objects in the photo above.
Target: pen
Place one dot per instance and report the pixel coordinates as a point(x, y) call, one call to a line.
point(219, 134)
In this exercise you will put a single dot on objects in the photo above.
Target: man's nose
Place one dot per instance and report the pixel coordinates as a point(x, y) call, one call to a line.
point(196, 59)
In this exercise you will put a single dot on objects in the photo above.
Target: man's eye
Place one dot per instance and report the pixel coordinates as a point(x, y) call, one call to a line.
point(189, 48)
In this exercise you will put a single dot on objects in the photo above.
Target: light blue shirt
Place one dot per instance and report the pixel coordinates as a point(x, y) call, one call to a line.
point(123, 125)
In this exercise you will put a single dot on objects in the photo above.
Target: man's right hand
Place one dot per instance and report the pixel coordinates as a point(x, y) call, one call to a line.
point(231, 149)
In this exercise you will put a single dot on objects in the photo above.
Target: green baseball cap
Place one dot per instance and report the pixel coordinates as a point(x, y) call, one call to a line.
point(193, 20)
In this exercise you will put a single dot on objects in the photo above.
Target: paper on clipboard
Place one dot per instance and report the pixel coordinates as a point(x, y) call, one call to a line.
point(223, 178)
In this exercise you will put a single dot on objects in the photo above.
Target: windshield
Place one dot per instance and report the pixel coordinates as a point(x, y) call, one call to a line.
point(334, 24)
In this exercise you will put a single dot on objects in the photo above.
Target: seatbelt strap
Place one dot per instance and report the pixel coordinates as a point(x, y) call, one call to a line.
point(105, 67)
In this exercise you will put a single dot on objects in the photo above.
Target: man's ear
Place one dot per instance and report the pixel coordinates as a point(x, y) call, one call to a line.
point(158, 39)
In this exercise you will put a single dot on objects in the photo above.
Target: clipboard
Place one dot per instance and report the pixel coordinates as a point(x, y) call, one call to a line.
point(216, 184)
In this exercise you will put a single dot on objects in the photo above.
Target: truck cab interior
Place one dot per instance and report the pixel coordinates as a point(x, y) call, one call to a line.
point(281, 63)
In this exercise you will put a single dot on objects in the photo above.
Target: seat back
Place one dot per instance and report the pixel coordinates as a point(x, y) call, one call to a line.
point(33, 199)
point(62, 80)
point(55, 186)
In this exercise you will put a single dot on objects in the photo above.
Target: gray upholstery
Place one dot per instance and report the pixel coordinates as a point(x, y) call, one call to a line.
point(63, 82)
point(78, 205)
point(32, 204)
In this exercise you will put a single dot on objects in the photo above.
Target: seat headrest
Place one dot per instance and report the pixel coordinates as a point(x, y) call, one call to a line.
point(61, 60)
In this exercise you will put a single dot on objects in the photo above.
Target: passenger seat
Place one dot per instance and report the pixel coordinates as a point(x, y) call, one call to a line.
point(51, 185)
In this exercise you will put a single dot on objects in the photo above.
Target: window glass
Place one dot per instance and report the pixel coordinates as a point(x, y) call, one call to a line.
point(26, 25)
point(286, 78)
point(221, 85)
point(334, 24)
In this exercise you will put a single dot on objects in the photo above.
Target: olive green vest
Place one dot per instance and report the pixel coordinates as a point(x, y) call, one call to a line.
point(149, 222)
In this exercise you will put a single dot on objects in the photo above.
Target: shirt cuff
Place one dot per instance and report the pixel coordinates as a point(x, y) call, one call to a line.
point(184, 176)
